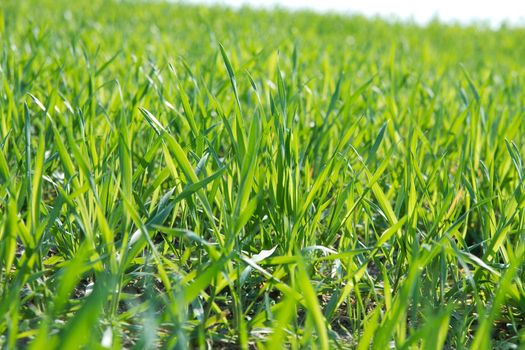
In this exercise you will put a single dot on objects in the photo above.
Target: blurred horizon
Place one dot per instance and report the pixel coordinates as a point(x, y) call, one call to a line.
point(494, 14)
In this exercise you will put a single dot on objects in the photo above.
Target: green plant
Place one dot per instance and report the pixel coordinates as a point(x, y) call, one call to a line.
point(180, 176)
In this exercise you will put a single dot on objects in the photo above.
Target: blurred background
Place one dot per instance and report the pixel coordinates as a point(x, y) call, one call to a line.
point(492, 13)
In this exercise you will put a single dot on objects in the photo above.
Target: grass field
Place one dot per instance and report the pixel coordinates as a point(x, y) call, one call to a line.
point(185, 177)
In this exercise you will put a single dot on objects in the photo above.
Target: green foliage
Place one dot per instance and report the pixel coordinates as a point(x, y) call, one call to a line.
point(185, 177)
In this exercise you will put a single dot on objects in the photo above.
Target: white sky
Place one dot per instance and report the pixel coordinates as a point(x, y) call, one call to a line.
point(465, 11)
